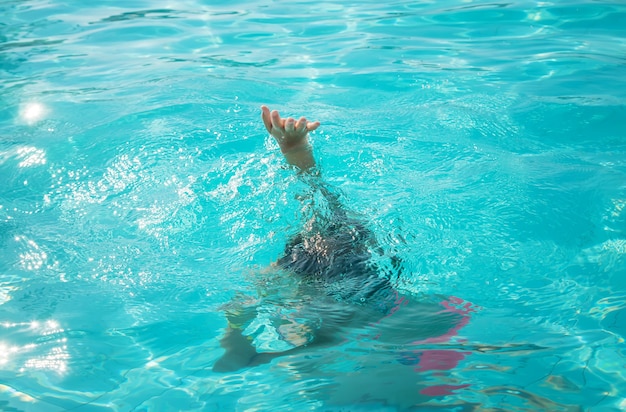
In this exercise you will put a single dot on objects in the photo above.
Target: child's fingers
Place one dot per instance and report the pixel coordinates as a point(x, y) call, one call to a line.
point(265, 115)
point(277, 122)
point(312, 126)
point(290, 125)
point(301, 125)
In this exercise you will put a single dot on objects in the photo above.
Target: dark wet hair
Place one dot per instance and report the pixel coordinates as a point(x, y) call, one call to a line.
point(336, 258)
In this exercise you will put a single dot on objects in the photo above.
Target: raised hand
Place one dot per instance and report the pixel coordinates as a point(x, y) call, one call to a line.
point(289, 133)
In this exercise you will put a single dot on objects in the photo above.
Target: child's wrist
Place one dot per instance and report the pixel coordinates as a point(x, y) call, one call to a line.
point(295, 149)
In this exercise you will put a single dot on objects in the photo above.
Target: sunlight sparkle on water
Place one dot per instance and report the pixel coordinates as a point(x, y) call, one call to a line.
point(31, 156)
point(56, 357)
point(5, 352)
point(33, 112)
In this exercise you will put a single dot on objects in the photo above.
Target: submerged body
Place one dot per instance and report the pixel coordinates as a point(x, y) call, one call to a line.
point(338, 289)
point(333, 254)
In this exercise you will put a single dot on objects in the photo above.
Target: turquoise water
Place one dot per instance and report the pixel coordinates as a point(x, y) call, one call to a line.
point(483, 143)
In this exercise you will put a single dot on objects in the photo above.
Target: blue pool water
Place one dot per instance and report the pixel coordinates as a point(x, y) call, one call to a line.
point(484, 144)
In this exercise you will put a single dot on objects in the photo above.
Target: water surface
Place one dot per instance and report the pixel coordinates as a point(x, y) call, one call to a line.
point(482, 143)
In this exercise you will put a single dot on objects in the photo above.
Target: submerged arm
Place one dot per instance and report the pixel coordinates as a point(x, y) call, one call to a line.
point(292, 137)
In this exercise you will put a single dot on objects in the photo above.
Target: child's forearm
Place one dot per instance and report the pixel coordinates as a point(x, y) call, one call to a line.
point(300, 156)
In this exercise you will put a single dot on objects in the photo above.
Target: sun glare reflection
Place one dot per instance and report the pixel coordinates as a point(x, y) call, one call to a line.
point(48, 354)
point(33, 258)
point(6, 352)
point(33, 112)
point(31, 156)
